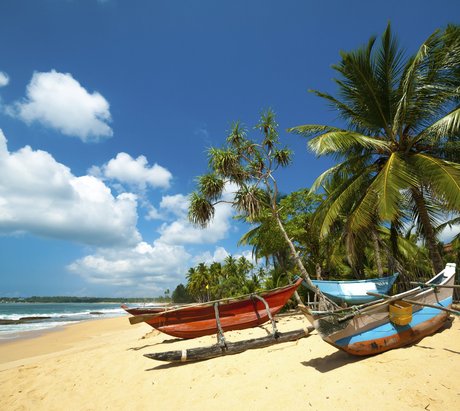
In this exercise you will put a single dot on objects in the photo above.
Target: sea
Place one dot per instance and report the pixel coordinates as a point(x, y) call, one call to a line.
point(55, 315)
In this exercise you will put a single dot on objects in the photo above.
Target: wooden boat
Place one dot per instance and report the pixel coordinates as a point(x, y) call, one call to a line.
point(391, 322)
point(218, 316)
point(354, 292)
point(144, 309)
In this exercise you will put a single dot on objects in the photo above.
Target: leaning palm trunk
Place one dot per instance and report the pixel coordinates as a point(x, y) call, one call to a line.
point(324, 302)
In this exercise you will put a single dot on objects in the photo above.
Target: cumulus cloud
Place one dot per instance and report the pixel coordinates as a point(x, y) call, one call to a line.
point(58, 101)
point(137, 172)
point(181, 231)
point(4, 79)
point(219, 255)
point(176, 204)
point(155, 264)
point(38, 195)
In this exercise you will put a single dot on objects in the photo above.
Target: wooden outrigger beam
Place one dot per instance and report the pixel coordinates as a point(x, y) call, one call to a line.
point(438, 307)
point(230, 348)
point(348, 313)
point(434, 285)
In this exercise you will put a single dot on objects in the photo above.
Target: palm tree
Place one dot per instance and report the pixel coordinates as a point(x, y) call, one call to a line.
point(249, 165)
point(198, 282)
point(402, 141)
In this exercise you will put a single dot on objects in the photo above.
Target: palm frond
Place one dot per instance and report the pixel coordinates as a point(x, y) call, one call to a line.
point(444, 177)
point(309, 130)
point(447, 126)
point(344, 141)
point(211, 186)
point(383, 196)
point(201, 211)
point(340, 201)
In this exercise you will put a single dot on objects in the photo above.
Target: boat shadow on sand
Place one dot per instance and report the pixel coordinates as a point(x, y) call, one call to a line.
point(339, 358)
point(169, 341)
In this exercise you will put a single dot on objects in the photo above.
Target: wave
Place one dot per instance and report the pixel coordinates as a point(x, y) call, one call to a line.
point(42, 317)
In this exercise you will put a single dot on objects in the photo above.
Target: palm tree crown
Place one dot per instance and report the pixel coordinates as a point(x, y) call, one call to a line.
point(402, 141)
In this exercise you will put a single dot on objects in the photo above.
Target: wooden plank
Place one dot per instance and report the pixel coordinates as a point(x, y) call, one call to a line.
point(205, 353)
point(434, 285)
point(438, 307)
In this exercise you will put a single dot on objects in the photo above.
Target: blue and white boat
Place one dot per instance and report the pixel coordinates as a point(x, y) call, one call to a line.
point(390, 322)
point(352, 292)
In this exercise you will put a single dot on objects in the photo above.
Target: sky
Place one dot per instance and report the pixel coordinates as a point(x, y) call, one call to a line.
point(108, 107)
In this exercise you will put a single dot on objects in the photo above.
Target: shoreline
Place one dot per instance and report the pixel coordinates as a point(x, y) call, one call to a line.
point(95, 365)
point(31, 334)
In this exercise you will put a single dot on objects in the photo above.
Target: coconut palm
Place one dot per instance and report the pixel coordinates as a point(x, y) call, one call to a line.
point(198, 282)
point(402, 141)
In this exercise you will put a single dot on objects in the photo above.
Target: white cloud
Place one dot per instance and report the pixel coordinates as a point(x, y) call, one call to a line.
point(219, 255)
point(58, 101)
point(4, 79)
point(182, 231)
point(156, 265)
point(176, 204)
point(38, 195)
point(136, 172)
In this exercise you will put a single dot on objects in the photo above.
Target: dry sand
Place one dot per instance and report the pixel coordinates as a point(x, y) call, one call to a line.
point(98, 365)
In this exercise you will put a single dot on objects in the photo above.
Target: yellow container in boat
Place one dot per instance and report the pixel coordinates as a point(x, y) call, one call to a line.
point(400, 313)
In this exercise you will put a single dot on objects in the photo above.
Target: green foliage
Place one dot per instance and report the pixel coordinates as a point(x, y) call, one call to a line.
point(181, 295)
point(246, 163)
point(231, 278)
point(399, 158)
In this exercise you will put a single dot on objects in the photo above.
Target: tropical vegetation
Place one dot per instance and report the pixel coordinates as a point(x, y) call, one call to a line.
point(380, 209)
point(400, 151)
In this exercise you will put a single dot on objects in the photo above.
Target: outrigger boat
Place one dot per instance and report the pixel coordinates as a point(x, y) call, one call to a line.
point(144, 309)
point(390, 322)
point(215, 317)
point(352, 292)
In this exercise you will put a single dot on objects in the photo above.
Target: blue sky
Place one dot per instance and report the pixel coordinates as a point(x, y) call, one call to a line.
point(107, 108)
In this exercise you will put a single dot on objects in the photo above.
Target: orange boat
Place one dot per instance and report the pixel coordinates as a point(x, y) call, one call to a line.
point(217, 316)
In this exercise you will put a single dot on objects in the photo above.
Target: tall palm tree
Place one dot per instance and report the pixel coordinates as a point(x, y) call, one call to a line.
point(402, 140)
point(249, 165)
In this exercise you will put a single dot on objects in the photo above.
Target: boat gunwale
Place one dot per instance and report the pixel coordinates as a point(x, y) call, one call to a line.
point(367, 280)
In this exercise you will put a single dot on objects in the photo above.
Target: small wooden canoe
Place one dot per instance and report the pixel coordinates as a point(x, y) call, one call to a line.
point(399, 320)
point(233, 314)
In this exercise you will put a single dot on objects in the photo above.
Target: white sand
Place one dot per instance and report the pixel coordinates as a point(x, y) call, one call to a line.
point(98, 365)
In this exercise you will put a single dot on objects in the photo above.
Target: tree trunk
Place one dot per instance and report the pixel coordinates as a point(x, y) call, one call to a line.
point(428, 232)
point(324, 303)
point(318, 271)
point(378, 259)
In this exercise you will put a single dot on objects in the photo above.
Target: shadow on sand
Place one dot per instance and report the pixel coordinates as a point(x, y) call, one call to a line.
point(170, 341)
point(332, 361)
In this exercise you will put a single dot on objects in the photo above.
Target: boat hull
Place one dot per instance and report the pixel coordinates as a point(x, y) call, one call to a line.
point(352, 292)
point(237, 314)
point(371, 332)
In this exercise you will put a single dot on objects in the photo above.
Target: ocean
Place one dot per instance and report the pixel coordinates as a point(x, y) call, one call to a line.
point(58, 314)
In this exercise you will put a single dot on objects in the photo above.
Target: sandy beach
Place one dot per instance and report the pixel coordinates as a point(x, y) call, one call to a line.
point(98, 365)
